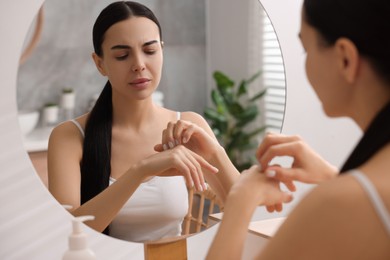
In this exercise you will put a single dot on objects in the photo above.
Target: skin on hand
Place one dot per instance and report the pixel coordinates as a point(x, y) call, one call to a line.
point(251, 190)
point(257, 189)
point(191, 135)
point(196, 135)
point(179, 161)
point(307, 167)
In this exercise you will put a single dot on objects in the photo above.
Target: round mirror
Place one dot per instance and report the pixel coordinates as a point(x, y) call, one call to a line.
point(199, 41)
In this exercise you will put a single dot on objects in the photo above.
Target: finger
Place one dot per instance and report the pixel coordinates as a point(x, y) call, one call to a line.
point(204, 164)
point(158, 148)
point(194, 171)
point(193, 163)
point(286, 175)
point(269, 142)
point(164, 139)
point(274, 139)
point(168, 138)
point(194, 166)
point(183, 169)
point(290, 186)
point(278, 207)
point(190, 130)
point(270, 208)
point(287, 197)
point(178, 131)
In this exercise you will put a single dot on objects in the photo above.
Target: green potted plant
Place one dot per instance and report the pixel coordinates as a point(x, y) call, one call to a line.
point(233, 112)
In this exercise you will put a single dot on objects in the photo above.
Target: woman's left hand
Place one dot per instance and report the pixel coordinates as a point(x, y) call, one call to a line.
point(255, 188)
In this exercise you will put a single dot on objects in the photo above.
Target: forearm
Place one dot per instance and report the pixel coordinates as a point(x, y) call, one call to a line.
point(227, 175)
point(107, 204)
point(232, 232)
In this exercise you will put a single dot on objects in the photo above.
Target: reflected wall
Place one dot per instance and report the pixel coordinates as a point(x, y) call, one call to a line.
point(62, 58)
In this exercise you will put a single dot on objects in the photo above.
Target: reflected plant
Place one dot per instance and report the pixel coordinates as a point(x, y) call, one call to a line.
point(233, 112)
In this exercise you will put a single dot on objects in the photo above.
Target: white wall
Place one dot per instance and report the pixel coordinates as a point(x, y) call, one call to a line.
point(332, 138)
point(34, 226)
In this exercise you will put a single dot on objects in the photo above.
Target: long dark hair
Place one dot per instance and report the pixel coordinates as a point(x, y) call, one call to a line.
point(96, 160)
point(364, 22)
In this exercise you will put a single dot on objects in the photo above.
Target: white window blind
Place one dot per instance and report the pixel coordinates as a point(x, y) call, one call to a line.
point(264, 54)
point(273, 78)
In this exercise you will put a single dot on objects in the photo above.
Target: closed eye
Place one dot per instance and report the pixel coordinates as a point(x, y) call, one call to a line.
point(150, 52)
point(123, 57)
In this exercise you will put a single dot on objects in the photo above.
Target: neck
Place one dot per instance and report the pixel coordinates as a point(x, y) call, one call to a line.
point(132, 113)
point(371, 97)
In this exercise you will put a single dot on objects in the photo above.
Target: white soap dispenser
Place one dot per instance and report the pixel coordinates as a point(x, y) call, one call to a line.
point(78, 247)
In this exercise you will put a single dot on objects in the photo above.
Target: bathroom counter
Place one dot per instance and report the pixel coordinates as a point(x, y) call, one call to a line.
point(259, 232)
point(37, 140)
point(264, 228)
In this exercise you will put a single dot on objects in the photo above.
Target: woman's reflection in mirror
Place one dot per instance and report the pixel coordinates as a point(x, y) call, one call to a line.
point(103, 163)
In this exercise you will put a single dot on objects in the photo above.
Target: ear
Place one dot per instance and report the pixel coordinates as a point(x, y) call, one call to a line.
point(99, 64)
point(348, 59)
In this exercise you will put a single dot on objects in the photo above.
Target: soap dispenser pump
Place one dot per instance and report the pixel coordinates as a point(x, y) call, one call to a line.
point(78, 247)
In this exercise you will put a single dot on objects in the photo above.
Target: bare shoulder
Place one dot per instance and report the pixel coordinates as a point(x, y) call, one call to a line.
point(334, 221)
point(377, 170)
point(194, 118)
point(67, 135)
point(68, 128)
point(197, 119)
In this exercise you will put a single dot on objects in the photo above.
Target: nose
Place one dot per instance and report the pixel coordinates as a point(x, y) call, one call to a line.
point(138, 68)
point(138, 64)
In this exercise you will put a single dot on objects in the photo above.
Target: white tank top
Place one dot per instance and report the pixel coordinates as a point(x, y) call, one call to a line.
point(155, 210)
point(375, 199)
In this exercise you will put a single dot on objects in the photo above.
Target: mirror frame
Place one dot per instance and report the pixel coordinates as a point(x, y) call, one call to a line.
point(34, 226)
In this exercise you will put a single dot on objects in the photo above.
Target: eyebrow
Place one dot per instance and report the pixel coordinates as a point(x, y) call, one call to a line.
point(116, 47)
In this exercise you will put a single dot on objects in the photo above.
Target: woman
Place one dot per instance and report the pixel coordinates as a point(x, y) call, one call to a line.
point(348, 65)
point(103, 162)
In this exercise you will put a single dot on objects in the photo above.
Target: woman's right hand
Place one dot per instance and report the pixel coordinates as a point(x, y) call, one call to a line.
point(191, 136)
point(178, 161)
point(307, 167)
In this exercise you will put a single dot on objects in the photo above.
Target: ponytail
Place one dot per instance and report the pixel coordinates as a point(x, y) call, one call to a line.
point(96, 160)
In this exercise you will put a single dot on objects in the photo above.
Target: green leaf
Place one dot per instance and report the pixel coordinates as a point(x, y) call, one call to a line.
point(222, 80)
point(247, 116)
point(253, 78)
point(227, 95)
point(214, 116)
point(231, 114)
point(258, 95)
point(238, 141)
point(218, 101)
point(222, 126)
point(236, 109)
point(243, 88)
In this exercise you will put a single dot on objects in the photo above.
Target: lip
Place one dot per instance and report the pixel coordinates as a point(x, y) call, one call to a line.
point(140, 83)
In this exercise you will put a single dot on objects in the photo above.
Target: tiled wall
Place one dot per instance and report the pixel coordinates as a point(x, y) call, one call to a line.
point(63, 56)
